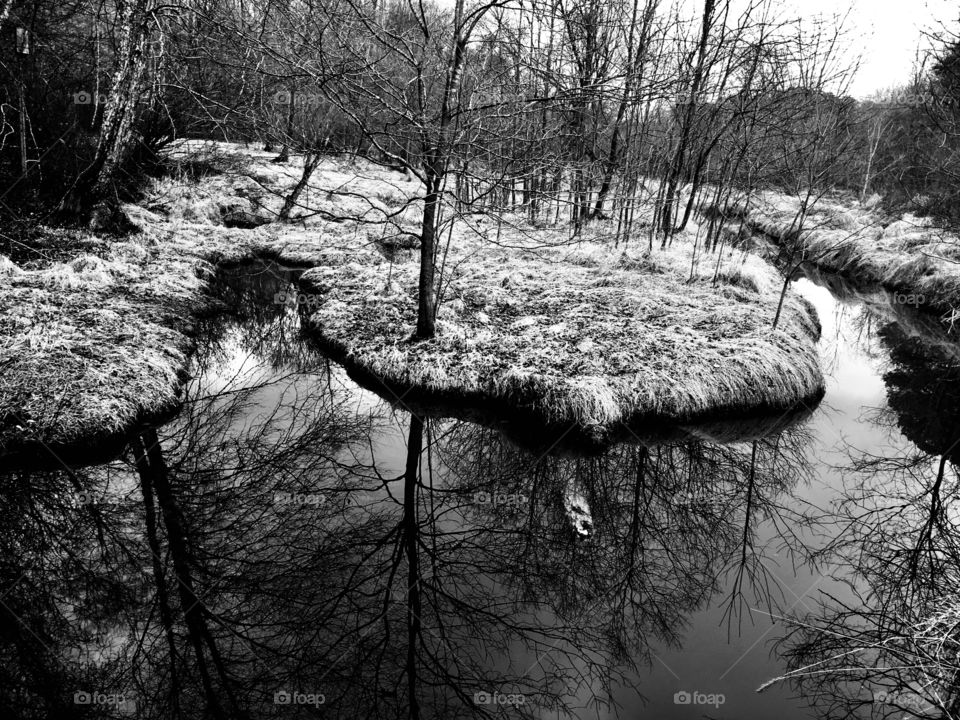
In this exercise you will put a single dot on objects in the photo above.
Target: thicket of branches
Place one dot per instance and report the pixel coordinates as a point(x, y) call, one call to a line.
point(565, 108)
point(566, 112)
point(522, 102)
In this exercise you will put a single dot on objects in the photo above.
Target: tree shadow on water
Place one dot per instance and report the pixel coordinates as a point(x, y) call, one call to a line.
point(280, 549)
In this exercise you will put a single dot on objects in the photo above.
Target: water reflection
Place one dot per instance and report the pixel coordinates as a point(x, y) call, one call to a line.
point(890, 647)
point(290, 545)
point(279, 559)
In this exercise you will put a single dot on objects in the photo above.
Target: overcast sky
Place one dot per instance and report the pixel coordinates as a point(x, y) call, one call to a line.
point(886, 33)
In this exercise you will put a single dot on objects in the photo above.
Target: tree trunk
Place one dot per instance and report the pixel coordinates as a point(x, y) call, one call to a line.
point(94, 182)
point(411, 532)
point(310, 162)
point(680, 156)
point(284, 155)
point(426, 288)
point(613, 156)
point(151, 462)
point(163, 599)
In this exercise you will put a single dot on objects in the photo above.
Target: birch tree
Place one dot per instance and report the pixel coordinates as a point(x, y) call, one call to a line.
point(135, 19)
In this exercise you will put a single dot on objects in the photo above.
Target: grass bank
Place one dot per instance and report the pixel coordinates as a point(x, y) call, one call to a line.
point(96, 333)
point(584, 335)
point(907, 254)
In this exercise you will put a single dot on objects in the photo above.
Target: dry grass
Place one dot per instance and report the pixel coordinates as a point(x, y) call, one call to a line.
point(92, 347)
point(598, 343)
point(98, 342)
point(908, 255)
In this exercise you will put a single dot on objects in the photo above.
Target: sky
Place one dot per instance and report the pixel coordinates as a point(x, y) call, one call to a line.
point(886, 33)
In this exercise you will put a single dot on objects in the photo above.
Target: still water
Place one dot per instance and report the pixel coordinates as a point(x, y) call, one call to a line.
point(292, 545)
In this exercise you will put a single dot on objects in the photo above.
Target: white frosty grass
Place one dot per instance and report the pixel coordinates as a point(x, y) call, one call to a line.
point(8, 267)
point(597, 342)
point(937, 640)
point(97, 342)
point(908, 254)
point(92, 345)
point(341, 187)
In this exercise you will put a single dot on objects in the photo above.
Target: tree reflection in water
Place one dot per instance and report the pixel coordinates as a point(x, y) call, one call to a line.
point(891, 646)
point(275, 551)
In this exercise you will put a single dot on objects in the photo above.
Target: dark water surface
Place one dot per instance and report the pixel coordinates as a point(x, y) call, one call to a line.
point(294, 545)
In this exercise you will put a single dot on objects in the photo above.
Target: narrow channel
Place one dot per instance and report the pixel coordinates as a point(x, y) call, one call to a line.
point(291, 534)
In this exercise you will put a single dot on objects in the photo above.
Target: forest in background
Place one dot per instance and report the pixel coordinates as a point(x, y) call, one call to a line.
point(562, 108)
